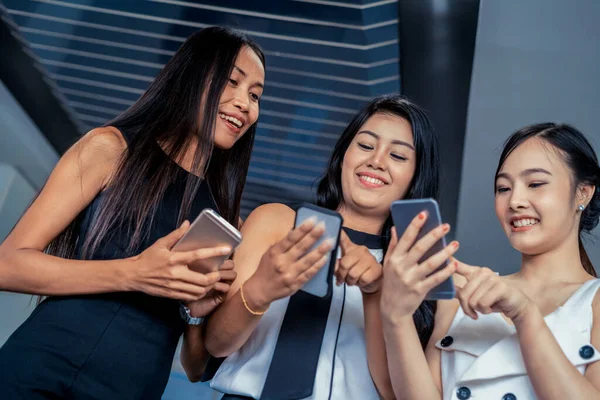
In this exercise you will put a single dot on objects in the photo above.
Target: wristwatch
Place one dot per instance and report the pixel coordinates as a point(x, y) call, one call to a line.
point(184, 312)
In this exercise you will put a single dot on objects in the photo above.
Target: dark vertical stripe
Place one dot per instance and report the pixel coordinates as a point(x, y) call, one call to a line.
point(437, 45)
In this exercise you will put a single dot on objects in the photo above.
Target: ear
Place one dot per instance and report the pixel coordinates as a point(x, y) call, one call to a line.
point(584, 194)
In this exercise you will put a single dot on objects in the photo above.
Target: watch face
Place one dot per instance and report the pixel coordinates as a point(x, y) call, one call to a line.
point(185, 315)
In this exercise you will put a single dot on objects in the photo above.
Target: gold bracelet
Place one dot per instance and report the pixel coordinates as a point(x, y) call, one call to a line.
point(251, 311)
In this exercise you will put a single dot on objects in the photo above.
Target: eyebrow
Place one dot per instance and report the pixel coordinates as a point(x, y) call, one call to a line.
point(399, 142)
point(527, 172)
point(241, 71)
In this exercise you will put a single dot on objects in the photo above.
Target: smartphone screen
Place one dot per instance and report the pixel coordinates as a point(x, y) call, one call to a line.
point(403, 212)
point(320, 284)
point(209, 230)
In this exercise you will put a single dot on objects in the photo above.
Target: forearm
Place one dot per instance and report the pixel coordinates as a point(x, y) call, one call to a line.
point(409, 371)
point(551, 373)
point(232, 324)
point(34, 272)
point(194, 355)
point(376, 357)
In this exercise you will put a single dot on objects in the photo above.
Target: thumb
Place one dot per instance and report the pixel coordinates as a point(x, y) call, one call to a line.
point(393, 240)
point(172, 238)
point(345, 243)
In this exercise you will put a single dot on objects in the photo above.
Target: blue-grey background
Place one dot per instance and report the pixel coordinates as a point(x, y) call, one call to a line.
point(533, 61)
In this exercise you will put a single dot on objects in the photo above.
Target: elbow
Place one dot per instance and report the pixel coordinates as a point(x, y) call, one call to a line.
point(216, 349)
point(194, 375)
point(4, 263)
point(193, 366)
point(215, 345)
point(385, 389)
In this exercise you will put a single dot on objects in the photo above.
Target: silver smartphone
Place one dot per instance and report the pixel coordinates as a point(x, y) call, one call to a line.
point(209, 229)
point(403, 212)
point(321, 284)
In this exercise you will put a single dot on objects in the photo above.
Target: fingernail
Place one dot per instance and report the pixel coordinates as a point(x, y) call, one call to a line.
point(329, 242)
point(311, 221)
point(225, 250)
point(446, 227)
point(455, 264)
point(455, 244)
point(422, 215)
point(321, 225)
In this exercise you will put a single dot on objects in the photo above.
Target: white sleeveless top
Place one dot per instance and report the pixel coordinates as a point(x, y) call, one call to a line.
point(481, 359)
point(343, 371)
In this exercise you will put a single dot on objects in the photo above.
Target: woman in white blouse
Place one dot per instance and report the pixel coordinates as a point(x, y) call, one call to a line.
point(533, 334)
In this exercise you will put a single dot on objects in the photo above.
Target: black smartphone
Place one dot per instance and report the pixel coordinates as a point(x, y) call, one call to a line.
point(403, 212)
point(321, 284)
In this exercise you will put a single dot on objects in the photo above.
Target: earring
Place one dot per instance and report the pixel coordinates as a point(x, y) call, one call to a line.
point(581, 207)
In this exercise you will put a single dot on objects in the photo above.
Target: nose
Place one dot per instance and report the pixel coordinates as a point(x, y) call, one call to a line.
point(518, 199)
point(376, 161)
point(241, 102)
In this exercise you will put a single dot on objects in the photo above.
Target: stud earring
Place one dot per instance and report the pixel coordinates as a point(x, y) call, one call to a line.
point(581, 207)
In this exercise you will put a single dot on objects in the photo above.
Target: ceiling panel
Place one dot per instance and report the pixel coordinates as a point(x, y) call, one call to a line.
point(325, 59)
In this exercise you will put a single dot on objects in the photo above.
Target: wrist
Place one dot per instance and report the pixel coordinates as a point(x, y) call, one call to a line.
point(369, 297)
point(187, 315)
point(394, 321)
point(530, 315)
point(254, 297)
point(124, 273)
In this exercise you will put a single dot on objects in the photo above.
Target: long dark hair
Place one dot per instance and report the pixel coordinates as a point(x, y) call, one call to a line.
point(180, 105)
point(579, 156)
point(425, 183)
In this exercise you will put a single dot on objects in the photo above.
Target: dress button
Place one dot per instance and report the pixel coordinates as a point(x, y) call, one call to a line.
point(447, 341)
point(509, 396)
point(463, 393)
point(586, 352)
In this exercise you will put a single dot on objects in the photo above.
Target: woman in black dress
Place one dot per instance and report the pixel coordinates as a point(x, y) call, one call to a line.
point(98, 238)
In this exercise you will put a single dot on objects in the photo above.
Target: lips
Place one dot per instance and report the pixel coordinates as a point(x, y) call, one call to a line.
point(523, 223)
point(371, 180)
point(233, 120)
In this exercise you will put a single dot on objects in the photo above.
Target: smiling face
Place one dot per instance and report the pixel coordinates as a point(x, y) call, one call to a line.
point(536, 199)
point(379, 164)
point(239, 103)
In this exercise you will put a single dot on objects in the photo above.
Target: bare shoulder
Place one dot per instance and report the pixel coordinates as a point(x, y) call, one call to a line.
point(98, 153)
point(273, 220)
point(104, 142)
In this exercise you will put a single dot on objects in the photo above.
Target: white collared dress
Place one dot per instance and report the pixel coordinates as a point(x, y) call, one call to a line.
point(481, 359)
point(342, 368)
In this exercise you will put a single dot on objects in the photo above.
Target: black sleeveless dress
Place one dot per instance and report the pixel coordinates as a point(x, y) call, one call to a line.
point(107, 346)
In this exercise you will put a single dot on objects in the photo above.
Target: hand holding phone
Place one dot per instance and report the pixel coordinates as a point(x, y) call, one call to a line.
point(413, 268)
point(424, 215)
point(320, 284)
point(290, 263)
point(209, 230)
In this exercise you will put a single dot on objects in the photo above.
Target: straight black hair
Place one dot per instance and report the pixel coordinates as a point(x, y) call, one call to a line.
point(425, 183)
point(180, 105)
point(579, 156)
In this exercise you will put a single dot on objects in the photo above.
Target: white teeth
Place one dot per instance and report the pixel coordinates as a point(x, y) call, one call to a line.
point(233, 120)
point(374, 181)
point(524, 222)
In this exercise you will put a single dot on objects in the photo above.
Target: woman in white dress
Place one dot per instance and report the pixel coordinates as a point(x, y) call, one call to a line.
point(533, 334)
point(387, 152)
